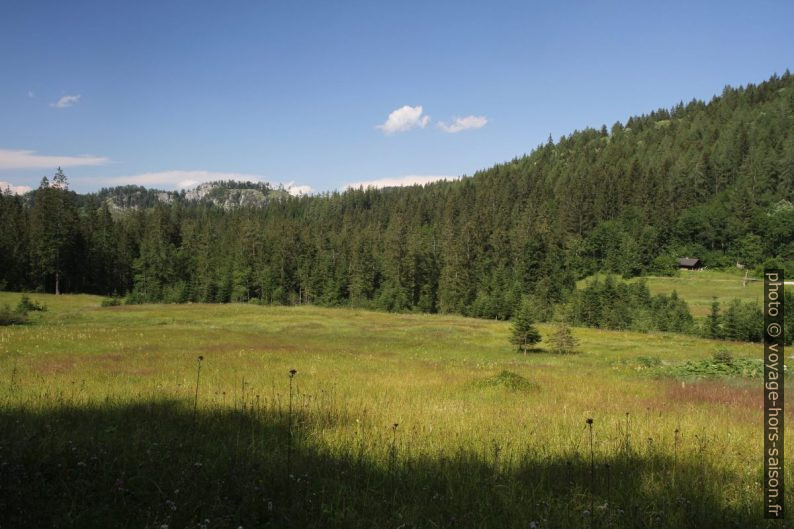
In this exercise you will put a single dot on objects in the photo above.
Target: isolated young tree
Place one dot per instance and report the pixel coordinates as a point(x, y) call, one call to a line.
point(563, 341)
point(524, 334)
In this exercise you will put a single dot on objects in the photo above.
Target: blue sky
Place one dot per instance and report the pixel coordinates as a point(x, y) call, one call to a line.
point(322, 95)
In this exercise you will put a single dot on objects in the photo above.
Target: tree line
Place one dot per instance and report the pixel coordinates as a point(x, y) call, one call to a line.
point(708, 179)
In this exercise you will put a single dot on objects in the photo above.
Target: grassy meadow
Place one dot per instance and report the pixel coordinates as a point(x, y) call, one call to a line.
point(109, 419)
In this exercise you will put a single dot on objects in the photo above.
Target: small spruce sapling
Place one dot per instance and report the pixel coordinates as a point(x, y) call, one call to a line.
point(524, 334)
point(563, 341)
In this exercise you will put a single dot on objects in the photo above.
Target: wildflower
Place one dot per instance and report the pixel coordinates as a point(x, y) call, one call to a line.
point(293, 372)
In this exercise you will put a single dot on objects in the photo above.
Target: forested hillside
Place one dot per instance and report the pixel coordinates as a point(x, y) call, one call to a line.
point(713, 180)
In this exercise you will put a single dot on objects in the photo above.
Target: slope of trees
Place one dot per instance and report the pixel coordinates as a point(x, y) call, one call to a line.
point(713, 180)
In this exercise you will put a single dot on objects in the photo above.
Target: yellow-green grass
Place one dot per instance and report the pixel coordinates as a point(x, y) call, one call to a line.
point(699, 288)
point(118, 384)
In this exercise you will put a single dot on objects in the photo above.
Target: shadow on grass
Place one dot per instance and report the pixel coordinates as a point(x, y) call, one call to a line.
point(156, 464)
point(532, 350)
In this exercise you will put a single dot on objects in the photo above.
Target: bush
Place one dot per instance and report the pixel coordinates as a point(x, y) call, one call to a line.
point(114, 301)
point(710, 368)
point(722, 356)
point(27, 305)
point(11, 317)
point(721, 364)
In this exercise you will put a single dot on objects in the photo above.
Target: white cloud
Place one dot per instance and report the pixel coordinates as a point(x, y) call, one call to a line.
point(14, 159)
point(31, 95)
point(400, 181)
point(15, 190)
point(403, 119)
point(467, 122)
point(66, 101)
point(179, 179)
point(294, 189)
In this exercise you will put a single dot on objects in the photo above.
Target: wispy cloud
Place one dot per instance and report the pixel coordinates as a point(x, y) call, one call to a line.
point(400, 181)
point(66, 101)
point(467, 122)
point(181, 179)
point(403, 119)
point(16, 190)
point(31, 95)
point(21, 159)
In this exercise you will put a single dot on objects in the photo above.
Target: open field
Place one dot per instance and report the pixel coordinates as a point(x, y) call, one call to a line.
point(699, 288)
point(396, 421)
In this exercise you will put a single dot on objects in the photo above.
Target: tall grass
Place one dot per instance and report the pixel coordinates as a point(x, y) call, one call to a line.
point(107, 420)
